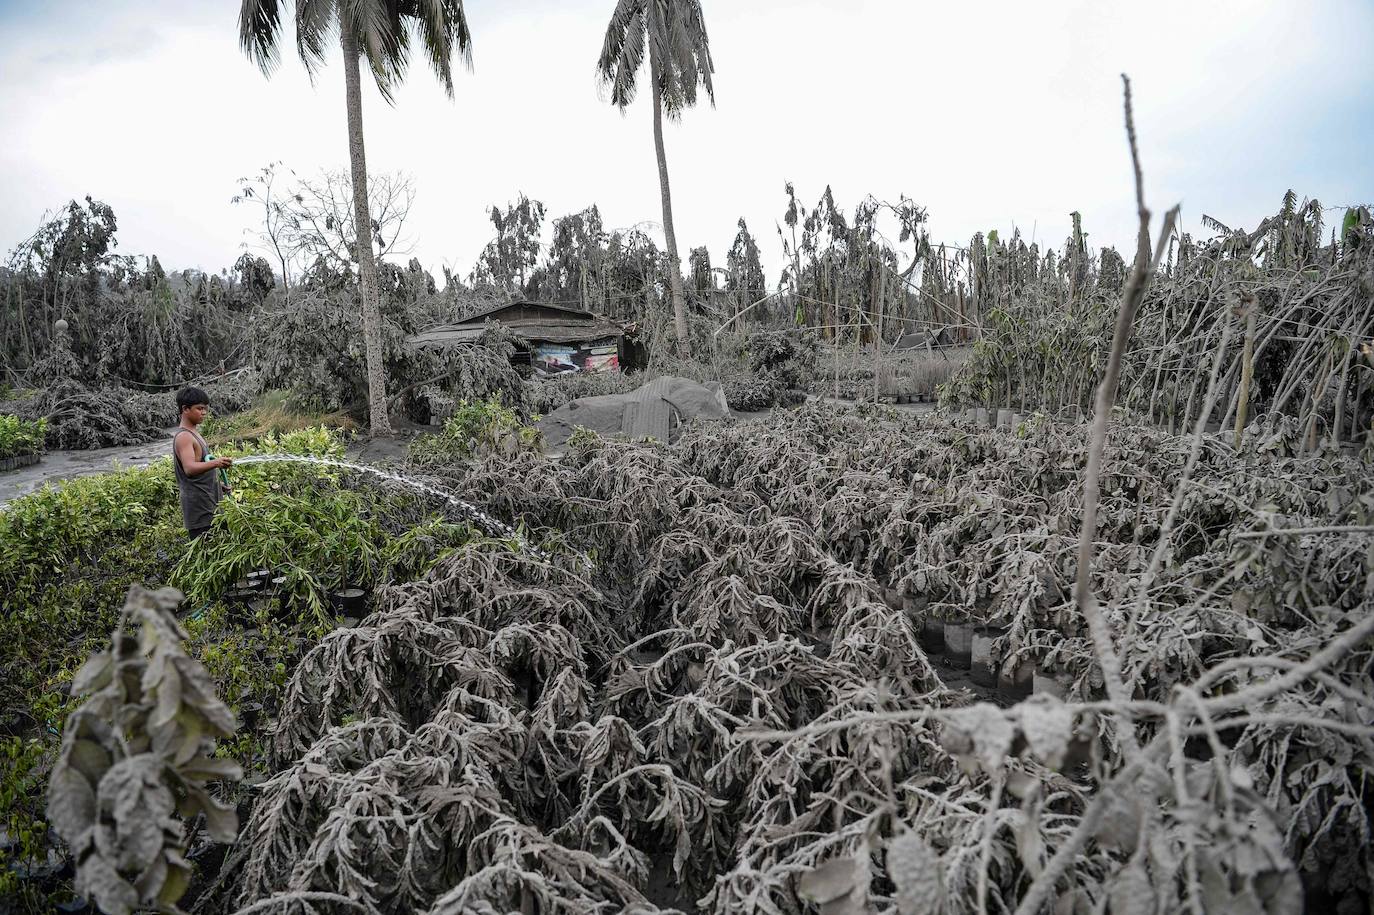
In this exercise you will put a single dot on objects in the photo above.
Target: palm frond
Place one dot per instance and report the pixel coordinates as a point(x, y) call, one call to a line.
point(680, 53)
point(658, 29)
point(315, 21)
point(383, 40)
point(442, 27)
point(701, 43)
point(622, 51)
point(259, 31)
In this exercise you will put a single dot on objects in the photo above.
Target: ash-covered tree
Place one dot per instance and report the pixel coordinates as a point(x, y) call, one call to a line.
point(55, 273)
point(381, 31)
point(576, 260)
point(510, 257)
point(618, 274)
point(699, 267)
point(846, 276)
point(275, 234)
point(255, 278)
point(673, 32)
point(744, 270)
point(320, 220)
point(128, 321)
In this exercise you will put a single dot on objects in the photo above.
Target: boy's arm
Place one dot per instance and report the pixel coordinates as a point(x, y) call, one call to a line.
point(186, 453)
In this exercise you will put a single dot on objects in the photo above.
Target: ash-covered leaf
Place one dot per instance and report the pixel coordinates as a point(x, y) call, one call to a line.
point(177, 881)
point(1119, 829)
point(917, 871)
point(151, 881)
point(1131, 891)
point(71, 803)
point(832, 881)
point(209, 768)
point(97, 879)
point(1048, 726)
point(986, 728)
point(221, 820)
point(133, 797)
point(89, 758)
point(94, 674)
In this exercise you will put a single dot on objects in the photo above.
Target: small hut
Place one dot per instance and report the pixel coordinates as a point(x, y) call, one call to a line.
point(561, 338)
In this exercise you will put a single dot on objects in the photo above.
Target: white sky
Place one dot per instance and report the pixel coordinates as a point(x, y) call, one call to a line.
point(991, 114)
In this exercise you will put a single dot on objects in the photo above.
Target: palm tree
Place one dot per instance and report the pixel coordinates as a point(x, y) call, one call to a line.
point(674, 31)
point(381, 31)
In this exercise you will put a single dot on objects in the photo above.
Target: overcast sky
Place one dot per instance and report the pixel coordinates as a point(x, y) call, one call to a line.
point(991, 114)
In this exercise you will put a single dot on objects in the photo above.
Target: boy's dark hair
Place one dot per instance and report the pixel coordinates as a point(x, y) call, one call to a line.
point(190, 397)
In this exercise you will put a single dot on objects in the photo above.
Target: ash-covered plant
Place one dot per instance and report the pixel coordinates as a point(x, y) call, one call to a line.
point(790, 357)
point(77, 417)
point(135, 756)
point(548, 394)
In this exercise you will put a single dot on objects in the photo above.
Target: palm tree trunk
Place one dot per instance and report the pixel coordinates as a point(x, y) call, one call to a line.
point(362, 219)
point(669, 235)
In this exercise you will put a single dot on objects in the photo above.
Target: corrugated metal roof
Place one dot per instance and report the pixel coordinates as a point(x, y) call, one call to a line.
point(574, 330)
point(522, 305)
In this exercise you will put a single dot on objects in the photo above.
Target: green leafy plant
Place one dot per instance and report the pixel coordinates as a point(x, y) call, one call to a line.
point(271, 416)
point(19, 436)
point(477, 428)
point(321, 539)
point(21, 770)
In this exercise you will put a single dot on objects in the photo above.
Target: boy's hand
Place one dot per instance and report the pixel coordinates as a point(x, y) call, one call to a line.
point(223, 462)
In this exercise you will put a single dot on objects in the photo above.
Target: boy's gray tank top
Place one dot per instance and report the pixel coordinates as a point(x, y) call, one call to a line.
point(199, 495)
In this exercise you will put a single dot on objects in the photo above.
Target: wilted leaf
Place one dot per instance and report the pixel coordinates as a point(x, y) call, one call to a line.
point(94, 674)
point(988, 729)
point(221, 820)
point(831, 881)
point(168, 696)
point(1048, 726)
point(177, 882)
point(917, 872)
point(209, 768)
point(89, 758)
point(71, 802)
point(99, 880)
point(1119, 829)
point(198, 692)
point(1131, 892)
point(149, 883)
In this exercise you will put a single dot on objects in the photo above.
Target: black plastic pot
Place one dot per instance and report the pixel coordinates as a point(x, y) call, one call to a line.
point(350, 601)
point(933, 636)
point(249, 713)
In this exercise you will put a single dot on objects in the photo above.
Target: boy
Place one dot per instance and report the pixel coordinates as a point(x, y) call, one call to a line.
point(198, 479)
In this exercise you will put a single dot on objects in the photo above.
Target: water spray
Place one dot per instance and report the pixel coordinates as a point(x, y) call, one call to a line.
point(485, 521)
